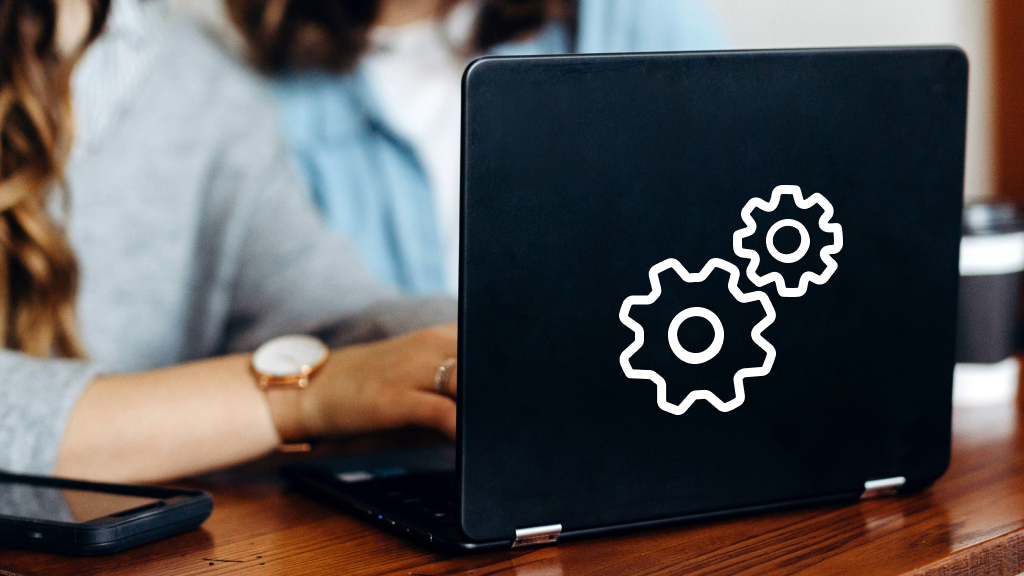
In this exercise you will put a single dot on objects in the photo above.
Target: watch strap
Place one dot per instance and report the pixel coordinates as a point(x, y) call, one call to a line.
point(286, 411)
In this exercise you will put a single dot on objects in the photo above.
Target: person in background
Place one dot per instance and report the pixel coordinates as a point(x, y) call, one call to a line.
point(369, 94)
point(183, 238)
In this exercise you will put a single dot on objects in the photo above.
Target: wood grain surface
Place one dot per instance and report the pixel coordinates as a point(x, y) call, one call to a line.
point(971, 522)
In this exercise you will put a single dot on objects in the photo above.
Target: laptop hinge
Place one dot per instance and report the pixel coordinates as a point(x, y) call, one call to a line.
point(882, 487)
point(537, 535)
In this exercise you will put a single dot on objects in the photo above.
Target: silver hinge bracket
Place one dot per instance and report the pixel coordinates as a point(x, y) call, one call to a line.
point(537, 535)
point(882, 487)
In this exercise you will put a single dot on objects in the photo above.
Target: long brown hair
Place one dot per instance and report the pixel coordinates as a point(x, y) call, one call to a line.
point(330, 35)
point(37, 301)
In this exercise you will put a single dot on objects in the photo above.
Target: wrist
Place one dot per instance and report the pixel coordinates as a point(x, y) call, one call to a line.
point(283, 368)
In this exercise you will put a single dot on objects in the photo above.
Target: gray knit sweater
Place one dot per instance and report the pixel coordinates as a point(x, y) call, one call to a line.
point(194, 238)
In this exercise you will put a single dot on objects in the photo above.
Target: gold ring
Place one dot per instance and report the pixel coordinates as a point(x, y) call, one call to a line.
point(443, 375)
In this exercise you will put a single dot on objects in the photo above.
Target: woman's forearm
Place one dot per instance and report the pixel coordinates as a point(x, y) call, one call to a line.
point(167, 423)
point(192, 418)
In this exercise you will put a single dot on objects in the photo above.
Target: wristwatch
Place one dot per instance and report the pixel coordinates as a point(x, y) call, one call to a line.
point(283, 367)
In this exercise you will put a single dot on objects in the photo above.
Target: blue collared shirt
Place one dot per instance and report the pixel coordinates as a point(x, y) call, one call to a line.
point(368, 181)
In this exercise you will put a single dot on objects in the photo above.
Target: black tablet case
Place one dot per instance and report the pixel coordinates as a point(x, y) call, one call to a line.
point(180, 511)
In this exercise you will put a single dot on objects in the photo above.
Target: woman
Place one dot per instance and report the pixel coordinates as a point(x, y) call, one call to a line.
point(187, 238)
point(370, 99)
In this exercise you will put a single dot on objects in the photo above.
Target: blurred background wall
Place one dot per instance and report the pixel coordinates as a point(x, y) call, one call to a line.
point(990, 31)
point(1008, 88)
point(815, 23)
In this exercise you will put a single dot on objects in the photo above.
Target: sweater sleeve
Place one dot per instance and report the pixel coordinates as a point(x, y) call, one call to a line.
point(294, 274)
point(36, 399)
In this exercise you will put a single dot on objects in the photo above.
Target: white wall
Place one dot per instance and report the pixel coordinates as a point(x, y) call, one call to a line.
point(810, 23)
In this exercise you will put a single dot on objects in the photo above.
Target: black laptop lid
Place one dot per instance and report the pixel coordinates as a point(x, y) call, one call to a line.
point(584, 176)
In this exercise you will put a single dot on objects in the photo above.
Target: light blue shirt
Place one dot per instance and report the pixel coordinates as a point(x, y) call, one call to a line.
point(368, 181)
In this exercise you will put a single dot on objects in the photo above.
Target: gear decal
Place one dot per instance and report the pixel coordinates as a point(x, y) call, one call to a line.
point(807, 276)
point(690, 357)
point(754, 257)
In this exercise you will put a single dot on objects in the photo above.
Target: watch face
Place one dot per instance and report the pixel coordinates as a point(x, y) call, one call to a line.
point(289, 356)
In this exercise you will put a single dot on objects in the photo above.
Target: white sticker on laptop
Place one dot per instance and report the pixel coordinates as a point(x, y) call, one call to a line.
point(815, 264)
point(697, 356)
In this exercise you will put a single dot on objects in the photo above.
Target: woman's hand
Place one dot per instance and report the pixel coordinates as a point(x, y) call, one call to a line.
point(387, 384)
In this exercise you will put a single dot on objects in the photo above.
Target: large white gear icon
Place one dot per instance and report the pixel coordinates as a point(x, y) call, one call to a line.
point(696, 358)
point(826, 252)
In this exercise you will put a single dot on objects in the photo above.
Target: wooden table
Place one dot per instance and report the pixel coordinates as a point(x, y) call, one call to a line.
point(971, 522)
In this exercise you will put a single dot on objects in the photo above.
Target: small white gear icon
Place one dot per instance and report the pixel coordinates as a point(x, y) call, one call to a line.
point(755, 259)
point(711, 351)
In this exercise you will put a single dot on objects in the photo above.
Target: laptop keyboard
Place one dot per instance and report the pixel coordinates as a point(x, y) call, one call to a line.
point(431, 496)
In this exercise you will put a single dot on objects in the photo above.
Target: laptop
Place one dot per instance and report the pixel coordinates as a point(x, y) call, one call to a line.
point(692, 285)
